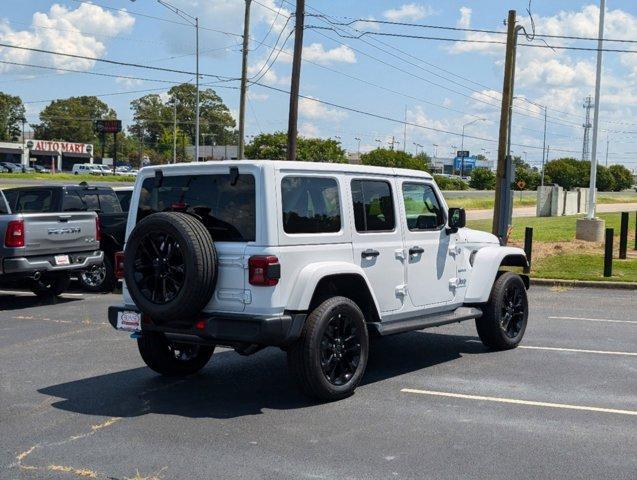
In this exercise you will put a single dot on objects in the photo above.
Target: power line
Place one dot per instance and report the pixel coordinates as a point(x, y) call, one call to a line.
point(113, 62)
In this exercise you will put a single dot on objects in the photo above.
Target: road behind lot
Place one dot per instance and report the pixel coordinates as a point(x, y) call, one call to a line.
point(77, 402)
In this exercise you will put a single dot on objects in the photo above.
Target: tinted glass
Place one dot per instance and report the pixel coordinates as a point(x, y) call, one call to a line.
point(124, 197)
point(109, 203)
point(310, 205)
point(422, 207)
point(34, 202)
point(72, 202)
point(91, 200)
point(373, 206)
point(4, 207)
point(12, 198)
point(228, 211)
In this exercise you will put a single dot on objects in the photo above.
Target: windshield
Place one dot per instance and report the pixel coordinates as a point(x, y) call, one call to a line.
point(226, 208)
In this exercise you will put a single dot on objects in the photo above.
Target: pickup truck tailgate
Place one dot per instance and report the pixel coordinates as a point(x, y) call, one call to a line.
point(49, 233)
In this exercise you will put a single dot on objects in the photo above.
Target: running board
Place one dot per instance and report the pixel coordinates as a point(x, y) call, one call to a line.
point(427, 321)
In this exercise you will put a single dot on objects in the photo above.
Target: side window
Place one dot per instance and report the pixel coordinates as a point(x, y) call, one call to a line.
point(109, 203)
point(422, 207)
point(310, 205)
point(91, 201)
point(72, 202)
point(373, 206)
point(12, 199)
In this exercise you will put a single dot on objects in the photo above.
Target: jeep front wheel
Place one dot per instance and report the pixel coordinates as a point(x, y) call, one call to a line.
point(172, 359)
point(505, 316)
point(329, 359)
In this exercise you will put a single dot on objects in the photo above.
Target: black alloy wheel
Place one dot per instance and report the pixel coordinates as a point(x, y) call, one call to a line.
point(512, 311)
point(340, 349)
point(159, 267)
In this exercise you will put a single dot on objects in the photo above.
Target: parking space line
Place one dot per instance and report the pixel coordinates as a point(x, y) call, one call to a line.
point(585, 319)
point(519, 402)
point(579, 350)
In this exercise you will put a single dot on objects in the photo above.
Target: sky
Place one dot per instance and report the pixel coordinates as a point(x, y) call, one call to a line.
point(437, 86)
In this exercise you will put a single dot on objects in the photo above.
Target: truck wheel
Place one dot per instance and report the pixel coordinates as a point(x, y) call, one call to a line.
point(329, 359)
point(51, 284)
point(505, 316)
point(170, 266)
point(99, 278)
point(172, 359)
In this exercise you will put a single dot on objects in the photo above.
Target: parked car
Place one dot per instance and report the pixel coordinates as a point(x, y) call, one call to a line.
point(105, 169)
point(42, 249)
point(84, 197)
point(3, 169)
point(41, 169)
point(12, 167)
point(310, 257)
point(84, 168)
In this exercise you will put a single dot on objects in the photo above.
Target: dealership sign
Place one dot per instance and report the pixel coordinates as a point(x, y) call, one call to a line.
point(59, 146)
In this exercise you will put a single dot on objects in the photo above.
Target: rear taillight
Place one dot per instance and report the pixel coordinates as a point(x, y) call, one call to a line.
point(265, 270)
point(98, 230)
point(119, 265)
point(14, 235)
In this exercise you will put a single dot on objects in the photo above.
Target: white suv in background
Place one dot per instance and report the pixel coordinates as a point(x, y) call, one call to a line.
point(310, 257)
point(84, 168)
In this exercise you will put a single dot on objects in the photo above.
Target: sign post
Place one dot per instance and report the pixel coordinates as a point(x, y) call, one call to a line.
point(113, 126)
point(462, 154)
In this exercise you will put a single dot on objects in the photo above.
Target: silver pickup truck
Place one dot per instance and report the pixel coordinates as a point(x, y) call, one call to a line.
point(41, 249)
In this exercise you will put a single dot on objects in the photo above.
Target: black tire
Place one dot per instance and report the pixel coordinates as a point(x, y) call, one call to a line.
point(100, 278)
point(51, 284)
point(172, 359)
point(505, 316)
point(185, 253)
point(306, 358)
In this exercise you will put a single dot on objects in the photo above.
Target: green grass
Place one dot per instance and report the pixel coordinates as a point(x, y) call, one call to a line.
point(67, 176)
point(583, 267)
point(551, 229)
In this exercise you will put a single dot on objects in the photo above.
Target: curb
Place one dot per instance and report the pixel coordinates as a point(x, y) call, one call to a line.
point(584, 284)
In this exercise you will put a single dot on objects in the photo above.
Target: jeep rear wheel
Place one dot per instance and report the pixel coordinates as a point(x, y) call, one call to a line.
point(172, 359)
point(505, 316)
point(329, 359)
point(170, 266)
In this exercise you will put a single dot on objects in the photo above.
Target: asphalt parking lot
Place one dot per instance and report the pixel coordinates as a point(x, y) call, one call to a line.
point(76, 401)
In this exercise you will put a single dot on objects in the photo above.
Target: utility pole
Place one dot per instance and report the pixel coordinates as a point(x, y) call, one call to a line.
point(587, 128)
point(598, 82)
point(405, 131)
point(197, 87)
point(502, 207)
point(607, 144)
point(141, 146)
point(244, 79)
point(296, 78)
point(174, 129)
point(544, 159)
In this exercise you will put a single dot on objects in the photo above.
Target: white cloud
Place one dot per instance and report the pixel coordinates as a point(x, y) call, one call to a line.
point(465, 18)
point(316, 52)
point(309, 108)
point(408, 11)
point(128, 82)
point(64, 30)
point(258, 97)
point(309, 130)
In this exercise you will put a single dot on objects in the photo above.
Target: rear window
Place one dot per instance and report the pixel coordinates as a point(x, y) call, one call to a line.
point(124, 197)
point(227, 210)
point(36, 201)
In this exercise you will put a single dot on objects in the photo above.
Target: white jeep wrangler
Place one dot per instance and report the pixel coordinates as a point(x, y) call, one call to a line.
point(310, 257)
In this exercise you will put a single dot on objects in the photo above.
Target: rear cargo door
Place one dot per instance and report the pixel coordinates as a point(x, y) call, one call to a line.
point(57, 233)
point(226, 204)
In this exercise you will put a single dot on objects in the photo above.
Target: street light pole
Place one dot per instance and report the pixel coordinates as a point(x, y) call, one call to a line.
point(358, 148)
point(462, 143)
point(194, 21)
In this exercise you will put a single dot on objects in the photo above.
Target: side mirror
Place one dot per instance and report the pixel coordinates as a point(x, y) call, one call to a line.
point(457, 219)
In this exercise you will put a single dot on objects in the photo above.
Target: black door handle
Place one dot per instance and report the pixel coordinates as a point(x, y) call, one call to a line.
point(370, 253)
point(416, 251)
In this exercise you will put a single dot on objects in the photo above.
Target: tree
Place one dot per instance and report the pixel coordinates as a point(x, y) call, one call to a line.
point(565, 172)
point(214, 117)
point(605, 179)
point(272, 146)
point(151, 116)
point(72, 119)
point(482, 179)
point(382, 157)
point(12, 116)
point(622, 176)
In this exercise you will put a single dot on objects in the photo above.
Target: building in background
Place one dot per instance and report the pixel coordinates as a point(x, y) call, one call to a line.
point(63, 155)
point(453, 165)
point(214, 152)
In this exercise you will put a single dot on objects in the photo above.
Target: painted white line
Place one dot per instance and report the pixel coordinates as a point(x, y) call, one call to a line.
point(520, 402)
point(576, 350)
point(607, 320)
point(579, 350)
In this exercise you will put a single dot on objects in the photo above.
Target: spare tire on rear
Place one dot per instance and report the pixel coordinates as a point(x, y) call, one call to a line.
point(170, 266)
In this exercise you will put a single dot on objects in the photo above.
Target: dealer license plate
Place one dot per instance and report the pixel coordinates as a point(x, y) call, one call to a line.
point(129, 321)
point(62, 260)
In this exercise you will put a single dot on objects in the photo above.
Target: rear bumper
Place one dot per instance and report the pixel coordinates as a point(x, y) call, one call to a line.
point(46, 263)
point(227, 328)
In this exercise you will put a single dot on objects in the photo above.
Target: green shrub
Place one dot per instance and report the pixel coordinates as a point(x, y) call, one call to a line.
point(482, 179)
